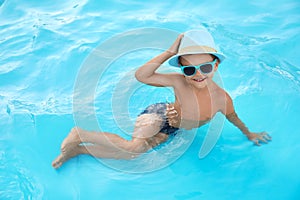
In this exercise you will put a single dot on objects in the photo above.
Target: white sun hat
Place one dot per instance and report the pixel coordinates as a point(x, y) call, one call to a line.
point(196, 42)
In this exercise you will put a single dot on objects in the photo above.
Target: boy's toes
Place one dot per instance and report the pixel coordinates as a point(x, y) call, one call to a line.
point(57, 163)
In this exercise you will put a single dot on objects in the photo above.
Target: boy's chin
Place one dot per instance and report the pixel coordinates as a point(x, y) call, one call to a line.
point(201, 86)
point(198, 84)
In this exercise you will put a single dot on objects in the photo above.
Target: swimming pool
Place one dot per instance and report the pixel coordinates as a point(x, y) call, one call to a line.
point(44, 46)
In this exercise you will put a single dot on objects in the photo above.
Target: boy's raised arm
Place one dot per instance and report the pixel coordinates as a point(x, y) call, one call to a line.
point(147, 73)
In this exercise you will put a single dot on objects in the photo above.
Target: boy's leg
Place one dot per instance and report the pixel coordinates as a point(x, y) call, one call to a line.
point(108, 145)
point(94, 150)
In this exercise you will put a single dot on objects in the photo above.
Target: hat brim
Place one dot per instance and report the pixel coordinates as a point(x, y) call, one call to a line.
point(173, 61)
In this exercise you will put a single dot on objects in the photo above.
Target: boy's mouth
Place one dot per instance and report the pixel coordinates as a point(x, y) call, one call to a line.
point(199, 79)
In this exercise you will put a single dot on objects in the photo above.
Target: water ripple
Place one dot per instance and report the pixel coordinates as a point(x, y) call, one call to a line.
point(15, 180)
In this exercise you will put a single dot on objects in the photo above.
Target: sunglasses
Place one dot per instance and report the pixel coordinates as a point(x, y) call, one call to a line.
point(204, 68)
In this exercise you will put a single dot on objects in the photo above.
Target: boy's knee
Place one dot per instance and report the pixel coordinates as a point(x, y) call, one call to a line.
point(148, 119)
point(139, 146)
point(147, 125)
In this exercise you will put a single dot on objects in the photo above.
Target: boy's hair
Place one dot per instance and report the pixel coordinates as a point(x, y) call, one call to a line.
point(214, 57)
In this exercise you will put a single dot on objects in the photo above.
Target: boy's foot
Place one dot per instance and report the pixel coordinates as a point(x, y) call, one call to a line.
point(57, 163)
point(72, 140)
point(64, 156)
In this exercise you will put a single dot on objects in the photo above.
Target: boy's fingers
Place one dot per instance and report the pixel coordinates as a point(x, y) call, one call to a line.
point(256, 142)
point(173, 122)
point(170, 107)
point(265, 136)
point(172, 113)
point(263, 140)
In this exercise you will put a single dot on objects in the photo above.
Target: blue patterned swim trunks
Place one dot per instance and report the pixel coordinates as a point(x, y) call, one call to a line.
point(160, 109)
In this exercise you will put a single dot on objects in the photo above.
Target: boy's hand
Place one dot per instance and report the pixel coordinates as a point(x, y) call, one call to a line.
point(259, 137)
point(172, 115)
point(174, 48)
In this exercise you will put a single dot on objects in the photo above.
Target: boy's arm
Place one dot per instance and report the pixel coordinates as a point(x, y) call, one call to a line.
point(147, 73)
point(234, 119)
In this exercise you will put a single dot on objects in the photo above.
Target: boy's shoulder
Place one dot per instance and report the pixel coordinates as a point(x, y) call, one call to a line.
point(219, 89)
point(177, 77)
point(221, 92)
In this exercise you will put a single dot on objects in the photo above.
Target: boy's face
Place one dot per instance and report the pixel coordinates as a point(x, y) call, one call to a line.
point(198, 80)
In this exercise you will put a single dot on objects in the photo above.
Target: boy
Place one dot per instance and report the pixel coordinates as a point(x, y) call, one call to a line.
point(197, 99)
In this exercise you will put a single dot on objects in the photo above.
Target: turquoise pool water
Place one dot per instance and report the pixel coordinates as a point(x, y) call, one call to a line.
point(44, 45)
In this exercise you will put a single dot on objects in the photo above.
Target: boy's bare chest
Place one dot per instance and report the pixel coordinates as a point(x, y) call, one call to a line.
point(197, 107)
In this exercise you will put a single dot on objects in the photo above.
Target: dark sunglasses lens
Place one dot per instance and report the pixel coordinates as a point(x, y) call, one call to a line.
point(189, 71)
point(207, 68)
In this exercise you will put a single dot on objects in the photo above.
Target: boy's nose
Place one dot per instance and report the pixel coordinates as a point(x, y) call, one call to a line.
point(198, 73)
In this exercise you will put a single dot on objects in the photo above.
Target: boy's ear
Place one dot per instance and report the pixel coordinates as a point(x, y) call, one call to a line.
point(217, 65)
